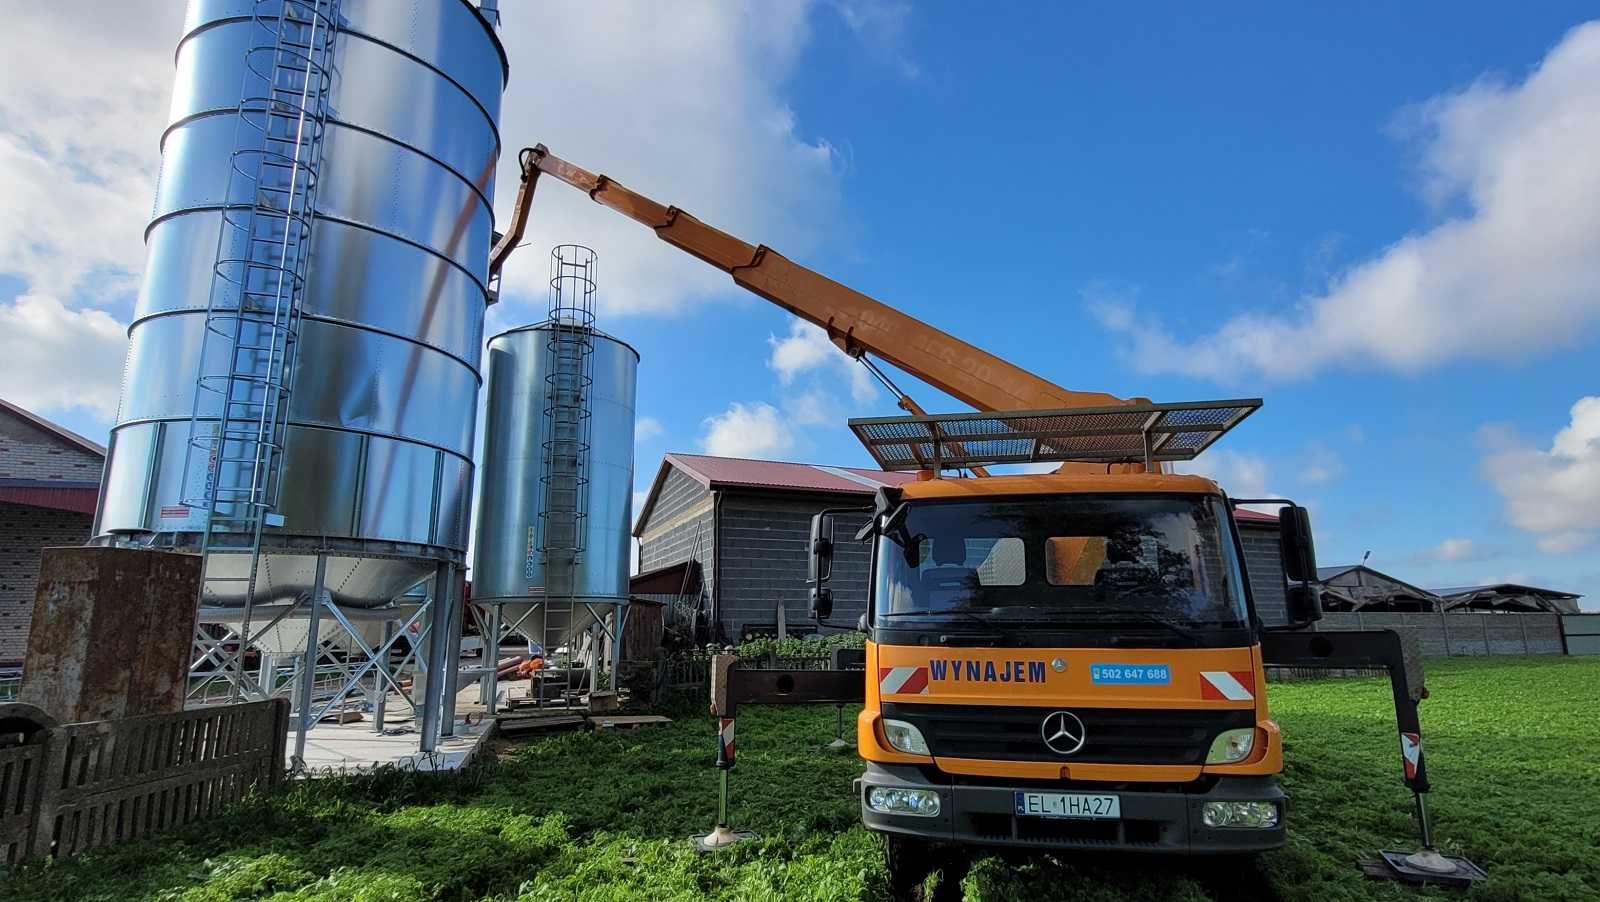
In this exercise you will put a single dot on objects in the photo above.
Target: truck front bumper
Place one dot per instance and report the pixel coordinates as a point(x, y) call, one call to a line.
point(1168, 821)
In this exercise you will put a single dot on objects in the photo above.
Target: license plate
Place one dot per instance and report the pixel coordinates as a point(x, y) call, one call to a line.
point(1068, 804)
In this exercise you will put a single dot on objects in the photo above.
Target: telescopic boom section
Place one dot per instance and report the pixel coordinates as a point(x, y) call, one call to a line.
point(856, 323)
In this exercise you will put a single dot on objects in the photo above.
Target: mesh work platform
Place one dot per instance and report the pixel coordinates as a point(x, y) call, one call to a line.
point(1146, 433)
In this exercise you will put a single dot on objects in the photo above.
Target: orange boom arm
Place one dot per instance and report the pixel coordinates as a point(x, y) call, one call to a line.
point(855, 322)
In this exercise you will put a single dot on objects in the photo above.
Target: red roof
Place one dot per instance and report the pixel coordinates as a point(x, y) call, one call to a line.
point(720, 472)
point(1245, 515)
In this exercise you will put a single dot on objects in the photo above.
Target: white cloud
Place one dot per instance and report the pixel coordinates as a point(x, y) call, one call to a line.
point(1240, 474)
point(1553, 493)
point(1514, 273)
point(814, 408)
point(1565, 542)
point(748, 430)
point(84, 103)
point(1454, 550)
point(686, 101)
point(647, 428)
point(1321, 466)
point(807, 348)
point(53, 358)
point(682, 101)
point(881, 26)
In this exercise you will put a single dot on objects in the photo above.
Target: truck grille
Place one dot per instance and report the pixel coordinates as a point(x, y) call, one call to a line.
point(1114, 735)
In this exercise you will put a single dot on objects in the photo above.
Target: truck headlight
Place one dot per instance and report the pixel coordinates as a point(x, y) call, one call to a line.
point(1231, 746)
point(904, 737)
point(1259, 815)
point(893, 800)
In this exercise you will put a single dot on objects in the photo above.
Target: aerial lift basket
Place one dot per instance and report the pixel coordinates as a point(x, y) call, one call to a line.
point(1125, 433)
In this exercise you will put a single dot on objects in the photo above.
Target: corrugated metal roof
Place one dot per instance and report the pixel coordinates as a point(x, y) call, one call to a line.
point(1506, 589)
point(1327, 573)
point(61, 431)
point(722, 472)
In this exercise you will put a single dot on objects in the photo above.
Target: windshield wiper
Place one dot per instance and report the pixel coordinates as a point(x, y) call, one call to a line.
point(1177, 629)
point(947, 612)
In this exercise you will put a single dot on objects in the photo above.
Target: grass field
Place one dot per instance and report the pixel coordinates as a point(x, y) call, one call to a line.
point(1513, 746)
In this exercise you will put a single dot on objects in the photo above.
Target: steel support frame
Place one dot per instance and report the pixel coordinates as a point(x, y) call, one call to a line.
point(441, 662)
point(365, 663)
point(493, 626)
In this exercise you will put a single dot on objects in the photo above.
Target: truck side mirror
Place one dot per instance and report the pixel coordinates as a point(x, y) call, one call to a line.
point(1304, 603)
point(821, 566)
point(821, 603)
point(1295, 543)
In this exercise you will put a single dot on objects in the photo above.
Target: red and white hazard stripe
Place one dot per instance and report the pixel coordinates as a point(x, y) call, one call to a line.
point(725, 736)
point(1232, 685)
point(903, 680)
point(1410, 753)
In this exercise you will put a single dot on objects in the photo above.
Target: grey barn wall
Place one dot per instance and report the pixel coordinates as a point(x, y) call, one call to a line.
point(30, 452)
point(1440, 634)
point(763, 542)
point(680, 528)
point(1263, 561)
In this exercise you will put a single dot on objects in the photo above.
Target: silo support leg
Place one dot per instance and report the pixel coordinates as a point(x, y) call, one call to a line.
point(491, 661)
point(452, 661)
point(437, 646)
point(308, 667)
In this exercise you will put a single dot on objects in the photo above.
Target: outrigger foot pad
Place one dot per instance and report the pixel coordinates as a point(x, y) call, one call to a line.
point(1424, 867)
point(721, 837)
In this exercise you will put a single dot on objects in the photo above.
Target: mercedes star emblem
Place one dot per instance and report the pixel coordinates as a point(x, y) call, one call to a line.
point(1058, 665)
point(1063, 732)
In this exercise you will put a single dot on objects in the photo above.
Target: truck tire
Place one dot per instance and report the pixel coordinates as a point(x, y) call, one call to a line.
point(909, 862)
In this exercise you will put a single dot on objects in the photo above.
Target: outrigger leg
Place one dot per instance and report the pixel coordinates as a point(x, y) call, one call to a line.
point(1398, 656)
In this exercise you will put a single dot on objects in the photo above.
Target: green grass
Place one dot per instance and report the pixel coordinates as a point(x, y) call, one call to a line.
point(1513, 747)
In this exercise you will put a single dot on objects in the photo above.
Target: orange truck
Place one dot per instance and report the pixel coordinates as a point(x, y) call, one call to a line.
point(1063, 661)
point(1070, 659)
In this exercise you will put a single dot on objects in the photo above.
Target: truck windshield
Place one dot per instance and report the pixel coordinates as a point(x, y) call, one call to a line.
point(1065, 562)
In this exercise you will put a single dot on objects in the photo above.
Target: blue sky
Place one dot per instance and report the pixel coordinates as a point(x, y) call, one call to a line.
point(1375, 221)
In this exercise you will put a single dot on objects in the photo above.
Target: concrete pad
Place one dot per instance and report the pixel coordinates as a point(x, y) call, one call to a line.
point(355, 748)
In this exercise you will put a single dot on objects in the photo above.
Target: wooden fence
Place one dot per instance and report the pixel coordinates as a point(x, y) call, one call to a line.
point(80, 786)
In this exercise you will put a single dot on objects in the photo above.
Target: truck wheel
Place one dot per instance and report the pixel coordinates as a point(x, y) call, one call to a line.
point(909, 862)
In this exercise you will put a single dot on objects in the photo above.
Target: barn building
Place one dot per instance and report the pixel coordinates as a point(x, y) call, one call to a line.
point(49, 481)
point(737, 530)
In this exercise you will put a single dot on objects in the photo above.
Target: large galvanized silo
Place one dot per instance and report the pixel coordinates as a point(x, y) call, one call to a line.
point(508, 567)
point(376, 467)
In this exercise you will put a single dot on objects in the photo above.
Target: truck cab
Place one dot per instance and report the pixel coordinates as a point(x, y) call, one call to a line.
point(1065, 661)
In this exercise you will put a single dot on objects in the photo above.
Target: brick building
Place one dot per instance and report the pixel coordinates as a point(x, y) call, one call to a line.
point(49, 481)
point(747, 524)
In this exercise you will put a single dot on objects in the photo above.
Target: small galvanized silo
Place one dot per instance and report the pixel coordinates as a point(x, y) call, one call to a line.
point(514, 562)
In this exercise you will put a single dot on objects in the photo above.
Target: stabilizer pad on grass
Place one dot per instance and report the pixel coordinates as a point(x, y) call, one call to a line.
point(1394, 866)
point(721, 838)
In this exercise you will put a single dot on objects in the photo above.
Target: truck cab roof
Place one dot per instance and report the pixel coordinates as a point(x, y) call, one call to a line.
point(1058, 484)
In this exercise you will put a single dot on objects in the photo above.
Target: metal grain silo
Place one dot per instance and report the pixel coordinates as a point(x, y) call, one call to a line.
point(514, 564)
point(370, 453)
